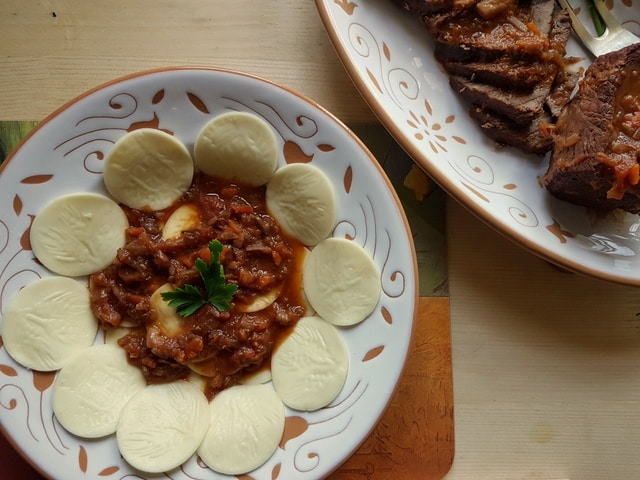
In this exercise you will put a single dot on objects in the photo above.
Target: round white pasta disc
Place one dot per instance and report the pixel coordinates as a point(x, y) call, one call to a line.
point(112, 335)
point(162, 426)
point(78, 234)
point(205, 368)
point(148, 169)
point(301, 198)
point(184, 218)
point(48, 322)
point(341, 281)
point(165, 324)
point(91, 390)
point(247, 422)
point(198, 380)
point(164, 319)
point(310, 367)
point(237, 146)
point(262, 375)
point(260, 302)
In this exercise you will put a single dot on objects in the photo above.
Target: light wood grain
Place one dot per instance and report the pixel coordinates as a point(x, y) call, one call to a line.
point(52, 51)
point(545, 364)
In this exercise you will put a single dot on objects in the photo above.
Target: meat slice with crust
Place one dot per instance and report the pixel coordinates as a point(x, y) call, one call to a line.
point(596, 141)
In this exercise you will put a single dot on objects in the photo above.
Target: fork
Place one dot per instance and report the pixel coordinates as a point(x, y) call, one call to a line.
point(614, 38)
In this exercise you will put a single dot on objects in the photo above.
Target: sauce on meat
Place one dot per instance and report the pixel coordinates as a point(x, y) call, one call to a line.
point(257, 256)
point(624, 150)
point(502, 25)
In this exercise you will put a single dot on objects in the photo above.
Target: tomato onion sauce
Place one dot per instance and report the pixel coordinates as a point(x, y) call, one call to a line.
point(257, 256)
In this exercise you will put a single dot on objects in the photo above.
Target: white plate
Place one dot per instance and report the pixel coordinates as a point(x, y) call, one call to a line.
point(389, 56)
point(65, 154)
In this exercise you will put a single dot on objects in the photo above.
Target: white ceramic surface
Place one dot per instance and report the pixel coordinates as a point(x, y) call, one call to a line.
point(65, 154)
point(389, 56)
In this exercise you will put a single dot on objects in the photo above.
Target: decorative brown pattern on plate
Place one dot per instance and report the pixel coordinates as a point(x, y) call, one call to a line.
point(65, 153)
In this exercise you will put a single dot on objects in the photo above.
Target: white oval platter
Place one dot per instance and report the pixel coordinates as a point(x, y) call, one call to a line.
point(389, 56)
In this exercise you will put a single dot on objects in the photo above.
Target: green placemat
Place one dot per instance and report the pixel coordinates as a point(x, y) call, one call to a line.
point(423, 202)
point(422, 199)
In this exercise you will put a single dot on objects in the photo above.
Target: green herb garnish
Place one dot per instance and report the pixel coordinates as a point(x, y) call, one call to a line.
point(218, 293)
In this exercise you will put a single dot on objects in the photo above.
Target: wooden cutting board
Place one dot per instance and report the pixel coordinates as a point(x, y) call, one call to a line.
point(415, 437)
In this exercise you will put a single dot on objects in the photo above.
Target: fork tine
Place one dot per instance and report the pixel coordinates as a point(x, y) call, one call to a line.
point(615, 37)
point(585, 36)
point(609, 20)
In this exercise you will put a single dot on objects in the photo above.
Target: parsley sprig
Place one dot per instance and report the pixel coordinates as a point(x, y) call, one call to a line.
point(189, 299)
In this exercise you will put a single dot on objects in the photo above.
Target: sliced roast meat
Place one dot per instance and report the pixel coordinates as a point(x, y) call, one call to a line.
point(534, 137)
point(465, 36)
point(507, 58)
point(520, 107)
point(563, 86)
point(425, 7)
point(596, 150)
point(519, 73)
point(504, 72)
point(528, 138)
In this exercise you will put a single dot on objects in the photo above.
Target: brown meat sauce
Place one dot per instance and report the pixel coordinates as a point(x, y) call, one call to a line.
point(508, 29)
point(257, 256)
point(623, 152)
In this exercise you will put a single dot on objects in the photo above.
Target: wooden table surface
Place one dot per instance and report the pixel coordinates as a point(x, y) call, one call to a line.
point(545, 363)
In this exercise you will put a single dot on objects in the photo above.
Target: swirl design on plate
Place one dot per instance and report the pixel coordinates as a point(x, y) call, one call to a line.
point(396, 81)
point(4, 236)
point(306, 458)
point(78, 151)
point(14, 399)
point(479, 178)
point(125, 104)
point(92, 143)
point(301, 125)
point(402, 88)
point(371, 236)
